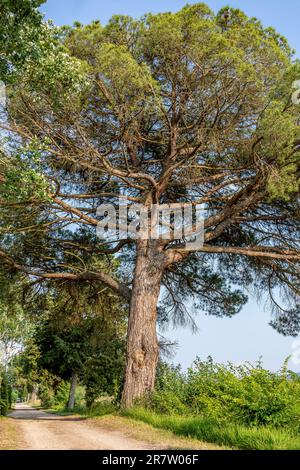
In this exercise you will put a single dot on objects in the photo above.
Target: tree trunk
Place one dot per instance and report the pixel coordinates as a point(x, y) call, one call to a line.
point(142, 346)
point(33, 396)
point(73, 385)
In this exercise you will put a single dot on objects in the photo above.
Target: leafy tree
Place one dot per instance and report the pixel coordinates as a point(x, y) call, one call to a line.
point(15, 325)
point(82, 338)
point(20, 24)
point(189, 107)
point(104, 370)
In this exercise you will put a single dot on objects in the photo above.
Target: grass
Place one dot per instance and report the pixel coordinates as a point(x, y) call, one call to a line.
point(8, 434)
point(226, 434)
point(158, 438)
point(198, 432)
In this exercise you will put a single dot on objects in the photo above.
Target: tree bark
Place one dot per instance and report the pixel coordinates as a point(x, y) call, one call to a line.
point(33, 396)
point(142, 345)
point(73, 385)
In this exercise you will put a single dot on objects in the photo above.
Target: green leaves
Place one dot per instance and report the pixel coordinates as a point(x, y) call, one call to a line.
point(175, 107)
point(20, 23)
point(227, 393)
point(22, 179)
point(128, 82)
point(279, 130)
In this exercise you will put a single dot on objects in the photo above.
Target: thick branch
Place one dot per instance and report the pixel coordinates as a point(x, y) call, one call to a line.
point(115, 285)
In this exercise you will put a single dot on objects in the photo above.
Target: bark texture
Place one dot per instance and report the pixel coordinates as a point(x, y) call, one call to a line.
point(73, 385)
point(142, 345)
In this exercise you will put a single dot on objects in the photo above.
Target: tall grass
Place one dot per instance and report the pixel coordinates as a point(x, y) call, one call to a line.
point(227, 434)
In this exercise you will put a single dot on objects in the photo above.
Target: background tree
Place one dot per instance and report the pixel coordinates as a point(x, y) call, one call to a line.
point(20, 27)
point(15, 324)
point(83, 330)
point(189, 107)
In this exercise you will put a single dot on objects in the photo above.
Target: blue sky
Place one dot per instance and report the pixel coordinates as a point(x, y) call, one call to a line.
point(246, 336)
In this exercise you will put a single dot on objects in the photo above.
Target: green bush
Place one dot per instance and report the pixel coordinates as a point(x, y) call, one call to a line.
point(62, 394)
point(102, 408)
point(166, 401)
point(169, 390)
point(60, 399)
point(80, 396)
point(14, 395)
point(4, 394)
point(243, 394)
point(46, 396)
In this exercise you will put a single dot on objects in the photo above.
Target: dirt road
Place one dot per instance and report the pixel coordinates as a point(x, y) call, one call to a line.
point(41, 431)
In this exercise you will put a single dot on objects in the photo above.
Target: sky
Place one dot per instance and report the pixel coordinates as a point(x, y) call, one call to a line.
point(247, 336)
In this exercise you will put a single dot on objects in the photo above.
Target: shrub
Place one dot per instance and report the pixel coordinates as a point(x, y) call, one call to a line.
point(14, 395)
point(62, 394)
point(102, 408)
point(4, 394)
point(169, 390)
point(243, 394)
point(46, 396)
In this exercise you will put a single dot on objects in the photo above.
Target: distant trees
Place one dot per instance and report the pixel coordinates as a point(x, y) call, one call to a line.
point(85, 351)
point(78, 335)
point(189, 107)
point(14, 330)
point(14, 322)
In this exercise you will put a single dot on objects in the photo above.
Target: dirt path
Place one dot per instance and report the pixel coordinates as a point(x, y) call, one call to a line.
point(41, 431)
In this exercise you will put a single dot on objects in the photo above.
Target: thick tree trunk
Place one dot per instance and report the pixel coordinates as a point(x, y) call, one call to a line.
point(142, 346)
point(73, 385)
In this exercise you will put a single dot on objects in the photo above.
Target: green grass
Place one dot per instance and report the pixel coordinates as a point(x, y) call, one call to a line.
point(201, 428)
point(227, 434)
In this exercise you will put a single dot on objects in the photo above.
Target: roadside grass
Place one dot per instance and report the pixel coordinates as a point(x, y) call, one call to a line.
point(198, 432)
point(158, 438)
point(226, 434)
point(8, 434)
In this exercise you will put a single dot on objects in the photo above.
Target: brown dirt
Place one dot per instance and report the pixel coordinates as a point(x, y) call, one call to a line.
point(44, 431)
point(28, 428)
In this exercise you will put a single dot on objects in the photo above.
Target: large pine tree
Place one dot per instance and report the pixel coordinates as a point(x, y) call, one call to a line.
point(189, 107)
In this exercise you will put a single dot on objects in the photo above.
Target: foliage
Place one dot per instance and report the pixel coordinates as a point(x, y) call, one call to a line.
point(15, 325)
point(62, 394)
point(186, 107)
point(75, 329)
point(102, 408)
point(19, 24)
point(169, 394)
point(211, 123)
point(71, 340)
point(46, 395)
point(104, 370)
point(4, 393)
point(243, 394)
